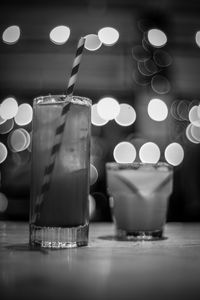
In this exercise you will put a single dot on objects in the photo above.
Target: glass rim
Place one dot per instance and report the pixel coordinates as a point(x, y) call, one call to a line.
point(136, 164)
point(62, 98)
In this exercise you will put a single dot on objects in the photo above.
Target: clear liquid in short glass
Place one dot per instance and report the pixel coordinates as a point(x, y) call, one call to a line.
point(139, 195)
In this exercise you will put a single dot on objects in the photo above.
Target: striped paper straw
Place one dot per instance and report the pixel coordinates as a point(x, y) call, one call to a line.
point(75, 66)
point(60, 129)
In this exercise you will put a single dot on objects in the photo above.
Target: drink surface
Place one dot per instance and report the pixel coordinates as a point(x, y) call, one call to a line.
point(139, 196)
point(65, 203)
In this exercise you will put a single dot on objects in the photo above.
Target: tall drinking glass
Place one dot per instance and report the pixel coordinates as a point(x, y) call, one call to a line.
point(59, 216)
point(139, 195)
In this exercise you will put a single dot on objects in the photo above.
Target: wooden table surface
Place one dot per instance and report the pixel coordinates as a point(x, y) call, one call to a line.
point(106, 269)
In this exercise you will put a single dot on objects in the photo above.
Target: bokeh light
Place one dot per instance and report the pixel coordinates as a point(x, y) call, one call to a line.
point(124, 152)
point(140, 54)
point(151, 66)
point(59, 35)
point(173, 110)
point(3, 152)
point(108, 108)
point(149, 153)
point(24, 115)
point(6, 126)
point(182, 110)
point(189, 134)
point(197, 38)
point(126, 116)
point(157, 37)
point(174, 154)
point(95, 117)
point(28, 138)
point(157, 110)
point(3, 202)
point(195, 132)
point(9, 108)
point(93, 174)
point(108, 36)
point(11, 35)
point(18, 140)
point(194, 116)
point(142, 68)
point(145, 43)
point(162, 58)
point(160, 84)
point(92, 42)
point(141, 79)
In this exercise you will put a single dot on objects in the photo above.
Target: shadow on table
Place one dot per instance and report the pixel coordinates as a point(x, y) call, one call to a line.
point(130, 239)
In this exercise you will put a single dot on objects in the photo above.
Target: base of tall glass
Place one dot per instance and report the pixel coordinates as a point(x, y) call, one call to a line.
point(59, 237)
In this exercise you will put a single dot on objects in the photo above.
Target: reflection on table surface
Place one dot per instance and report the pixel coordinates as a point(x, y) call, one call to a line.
point(106, 269)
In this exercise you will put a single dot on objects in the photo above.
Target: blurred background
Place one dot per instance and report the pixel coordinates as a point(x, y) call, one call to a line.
point(140, 67)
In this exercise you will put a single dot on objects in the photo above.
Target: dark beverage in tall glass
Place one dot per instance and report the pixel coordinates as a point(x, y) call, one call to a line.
point(60, 218)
